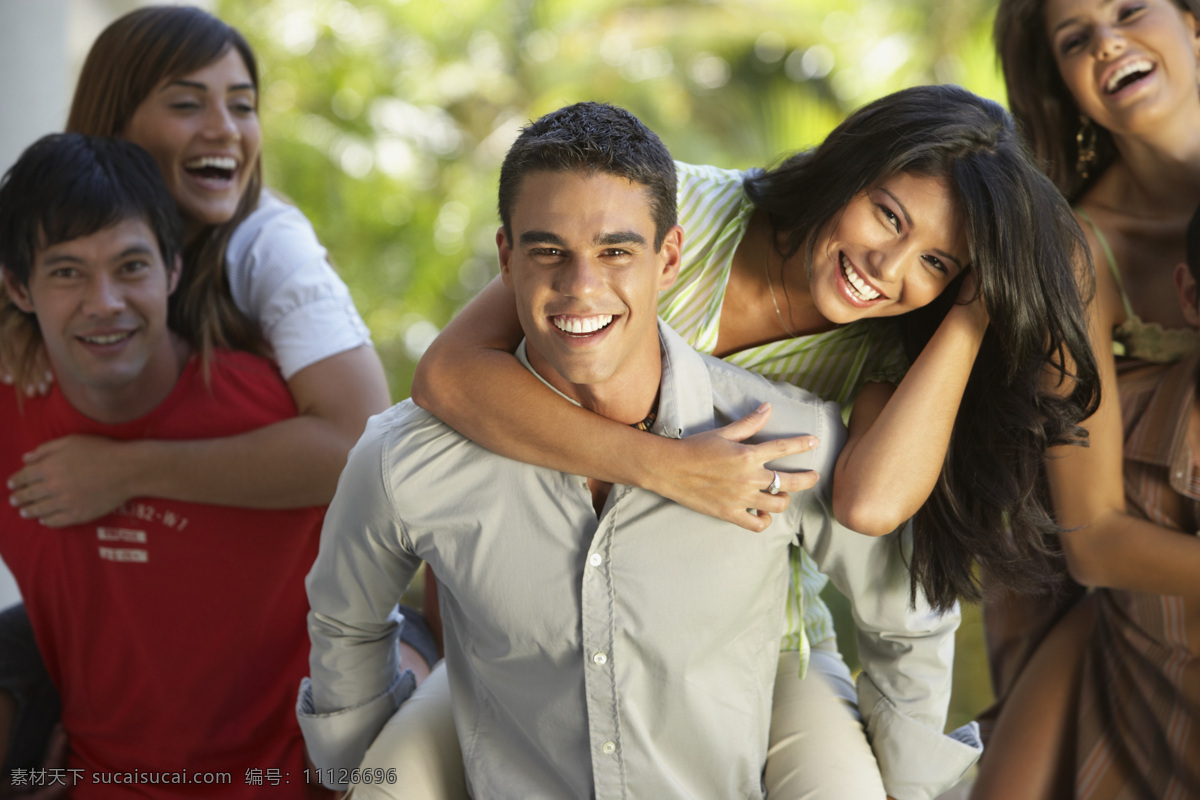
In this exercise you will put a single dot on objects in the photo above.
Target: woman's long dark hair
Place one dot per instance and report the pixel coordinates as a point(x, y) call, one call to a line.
point(127, 61)
point(1035, 379)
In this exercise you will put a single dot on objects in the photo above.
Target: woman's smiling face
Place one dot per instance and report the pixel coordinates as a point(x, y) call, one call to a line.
point(1129, 64)
point(894, 248)
point(202, 129)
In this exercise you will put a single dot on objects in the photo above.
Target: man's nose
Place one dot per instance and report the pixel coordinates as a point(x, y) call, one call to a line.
point(104, 296)
point(581, 278)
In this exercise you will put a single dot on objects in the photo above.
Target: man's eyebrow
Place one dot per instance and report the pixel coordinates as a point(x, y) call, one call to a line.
point(600, 240)
point(908, 220)
point(137, 250)
point(61, 258)
point(542, 237)
point(619, 237)
point(71, 258)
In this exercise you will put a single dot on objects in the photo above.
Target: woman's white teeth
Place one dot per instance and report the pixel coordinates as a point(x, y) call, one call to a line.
point(860, 286)
point(214, 162)
point(582, 324)
point(1137, 66)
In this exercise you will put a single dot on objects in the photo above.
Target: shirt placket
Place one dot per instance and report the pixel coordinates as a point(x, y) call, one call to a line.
point(598, 625)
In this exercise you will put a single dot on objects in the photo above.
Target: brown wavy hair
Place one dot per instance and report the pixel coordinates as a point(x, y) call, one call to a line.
point(128, 60)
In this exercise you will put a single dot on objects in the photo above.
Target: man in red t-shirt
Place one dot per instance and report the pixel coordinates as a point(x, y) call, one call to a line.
point(174, 631)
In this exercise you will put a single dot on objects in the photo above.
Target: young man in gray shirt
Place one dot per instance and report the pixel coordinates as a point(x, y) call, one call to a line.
point(600, 640)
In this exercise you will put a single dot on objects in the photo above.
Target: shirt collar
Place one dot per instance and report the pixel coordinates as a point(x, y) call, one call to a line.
point(685, 391)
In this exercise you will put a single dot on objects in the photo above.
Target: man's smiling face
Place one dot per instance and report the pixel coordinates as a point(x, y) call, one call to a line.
point(586, 276)
point(101, 305)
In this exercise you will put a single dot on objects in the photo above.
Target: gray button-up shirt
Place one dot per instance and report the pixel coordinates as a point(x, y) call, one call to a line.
point(630, 654)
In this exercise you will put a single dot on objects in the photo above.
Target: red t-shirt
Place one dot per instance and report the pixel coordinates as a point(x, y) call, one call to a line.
point(174, 631)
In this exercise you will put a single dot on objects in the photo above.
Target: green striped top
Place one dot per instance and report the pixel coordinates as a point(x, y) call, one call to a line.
point(834, 365)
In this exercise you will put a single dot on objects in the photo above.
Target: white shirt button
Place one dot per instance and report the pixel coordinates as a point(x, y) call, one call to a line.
point(608, 748)
point(595, 559)
point(600, 658)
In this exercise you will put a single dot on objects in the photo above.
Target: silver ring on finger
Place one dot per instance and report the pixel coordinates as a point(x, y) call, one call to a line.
point(774, 487)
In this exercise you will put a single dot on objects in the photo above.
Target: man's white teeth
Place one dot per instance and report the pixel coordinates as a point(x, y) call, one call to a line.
point(106, 338)
point(1140, 65)
point(860, 287)
point(582, 324)
point(214, 162)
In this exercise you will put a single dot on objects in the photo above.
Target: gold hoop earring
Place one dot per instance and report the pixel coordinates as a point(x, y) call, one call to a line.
point(1085, 145)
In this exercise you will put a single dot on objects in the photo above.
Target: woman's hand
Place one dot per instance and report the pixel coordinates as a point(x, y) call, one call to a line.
point(970, 300)
point(41, 369)
point(69, 481)
point(14, 325)
point(715, 474)
point(40, 387)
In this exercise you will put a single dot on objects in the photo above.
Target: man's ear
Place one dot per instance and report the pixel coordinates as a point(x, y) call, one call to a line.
point(173, 273)
point(504, 250)
point(671, 253)
point(1185, 287)
point(19, 294)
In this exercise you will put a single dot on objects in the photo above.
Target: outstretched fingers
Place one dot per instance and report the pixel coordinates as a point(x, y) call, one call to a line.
point(724, 478)
point(775, 449)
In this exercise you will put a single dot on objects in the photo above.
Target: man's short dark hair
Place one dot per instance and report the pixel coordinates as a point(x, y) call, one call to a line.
point(67, 185)
point(593, 137)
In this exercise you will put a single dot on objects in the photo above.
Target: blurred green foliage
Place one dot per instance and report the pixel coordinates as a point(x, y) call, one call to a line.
point(385, 121)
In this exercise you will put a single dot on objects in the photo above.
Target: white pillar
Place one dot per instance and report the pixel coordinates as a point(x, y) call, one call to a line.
point(33, 101)
point(35, 65)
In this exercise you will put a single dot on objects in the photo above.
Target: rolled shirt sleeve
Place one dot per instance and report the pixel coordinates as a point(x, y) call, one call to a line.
point(337, 741)
point(907, 654)
point(280, 276)
point(357, 681)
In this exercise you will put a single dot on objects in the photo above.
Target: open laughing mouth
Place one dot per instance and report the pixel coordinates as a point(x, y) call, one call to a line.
point(1128, 74)
point(220, 168)
point(858, 285)
point(582, 326)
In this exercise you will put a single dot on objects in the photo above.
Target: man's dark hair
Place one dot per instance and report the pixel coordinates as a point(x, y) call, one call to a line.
point(593, 137)
point(67, 185)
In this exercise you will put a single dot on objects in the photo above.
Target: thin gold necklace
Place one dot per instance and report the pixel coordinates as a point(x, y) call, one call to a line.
point(767, 269)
